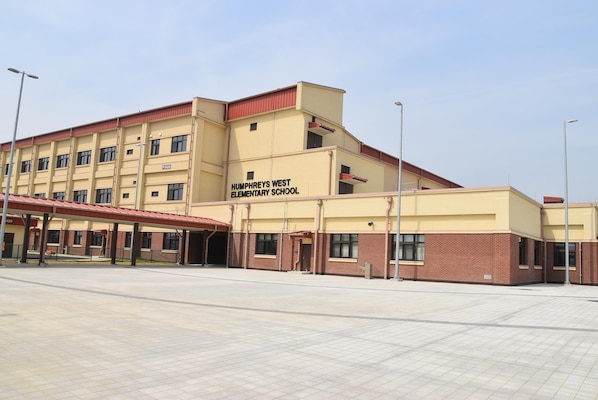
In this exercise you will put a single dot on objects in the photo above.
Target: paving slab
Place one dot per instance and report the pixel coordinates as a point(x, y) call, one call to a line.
point(163, 332)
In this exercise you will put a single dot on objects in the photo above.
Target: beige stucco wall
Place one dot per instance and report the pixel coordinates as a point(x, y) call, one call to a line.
point(582, 222)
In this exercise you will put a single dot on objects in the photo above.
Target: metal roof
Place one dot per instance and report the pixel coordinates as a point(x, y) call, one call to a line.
point(20, 204)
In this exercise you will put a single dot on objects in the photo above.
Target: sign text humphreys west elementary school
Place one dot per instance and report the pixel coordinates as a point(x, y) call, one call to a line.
point(274, 187)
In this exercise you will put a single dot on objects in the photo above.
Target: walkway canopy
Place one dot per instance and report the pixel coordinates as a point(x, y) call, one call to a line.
point(19, 204)
point(52, 208)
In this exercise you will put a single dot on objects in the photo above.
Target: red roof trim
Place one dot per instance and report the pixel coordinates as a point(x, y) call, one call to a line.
point(387, 158)
point(275, 100)
point(96, 212)
point(114, 123)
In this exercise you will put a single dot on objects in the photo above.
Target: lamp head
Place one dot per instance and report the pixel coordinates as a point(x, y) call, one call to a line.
point(16, 71)
point(398, 103)
point(570, 121)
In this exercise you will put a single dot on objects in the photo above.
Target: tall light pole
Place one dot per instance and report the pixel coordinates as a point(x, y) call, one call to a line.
point(12, 153)
point(567, 281)
point(133, 242)
point(400, 184)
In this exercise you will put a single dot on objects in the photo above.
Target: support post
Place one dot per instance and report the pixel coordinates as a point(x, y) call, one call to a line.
point(25, 239)
point(113, 237)
point(134, 244)
point(42, 244)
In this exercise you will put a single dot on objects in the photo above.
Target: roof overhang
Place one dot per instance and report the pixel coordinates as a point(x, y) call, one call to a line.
point(352, 179)
point(320, 129)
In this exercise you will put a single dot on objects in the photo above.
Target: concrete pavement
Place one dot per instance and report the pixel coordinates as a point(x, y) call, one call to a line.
point(105, 332)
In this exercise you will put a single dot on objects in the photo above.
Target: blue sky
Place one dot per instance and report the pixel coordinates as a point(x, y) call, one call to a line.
point(486, 84)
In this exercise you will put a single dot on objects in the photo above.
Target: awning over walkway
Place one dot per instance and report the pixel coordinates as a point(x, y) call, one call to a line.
point(19, 204)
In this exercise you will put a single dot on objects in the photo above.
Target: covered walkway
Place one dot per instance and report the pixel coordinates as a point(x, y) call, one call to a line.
point(51, 208)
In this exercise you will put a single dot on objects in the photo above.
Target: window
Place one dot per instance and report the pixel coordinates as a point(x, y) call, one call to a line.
point(411, 247)
point(125, 195)
point(43, 163)
point(155, 194)
point(179, 144)
point(175, 191)
point(146, 240)
point(104, 195)
point(170, 241)
point(26, 166)
point(84, 157)
point(522, 251)
point(344, 245)
point(267, 243)
point(58, 195)
point(253, 126)
point(537, 252)
point(155, 147)
point(313, 140)
point(53, 236)
point(78, 237)
point(107, 154)
point(80, 196)
point(97, 239)
point(559, 254)
point(250, 175)
point(128, 236)
point(62, 161)
point(40, 195)
point(129, 151)
point(345, 188)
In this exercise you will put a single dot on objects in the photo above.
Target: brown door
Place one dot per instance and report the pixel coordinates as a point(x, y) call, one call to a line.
point(306, 257)
point(7, 245)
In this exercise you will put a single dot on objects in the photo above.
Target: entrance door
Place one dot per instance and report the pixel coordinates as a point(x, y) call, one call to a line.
point(306, 257)
point(7, 245)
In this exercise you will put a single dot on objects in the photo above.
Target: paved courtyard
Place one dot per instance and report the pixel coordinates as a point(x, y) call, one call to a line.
point(101, 332)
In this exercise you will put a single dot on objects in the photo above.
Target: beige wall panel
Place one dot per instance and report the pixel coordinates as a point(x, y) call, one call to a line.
point(170, 127)
point(582, 223)
point(321, 101)
point(212, 110)
point(107, 138)
point(83, 143)
point(214, 142)
point(211, 187)
point(278, 132)
point(63, 147)
point(131, 133)
point(170, 162)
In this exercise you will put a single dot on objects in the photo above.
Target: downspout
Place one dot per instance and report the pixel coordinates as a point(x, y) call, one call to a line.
point(544, 265)
point(206, 243)
point(329, 171)
point(227, 151)
point(580, 264)
point(316, 234)
point(229, 234)
point(246, 255)
point(386, 236)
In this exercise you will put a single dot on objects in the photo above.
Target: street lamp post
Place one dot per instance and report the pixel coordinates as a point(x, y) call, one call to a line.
point(133, 241)
point(12, 153)
point(400, 184)
point(567, 280)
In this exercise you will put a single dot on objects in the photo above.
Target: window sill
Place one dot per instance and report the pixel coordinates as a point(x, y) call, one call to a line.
point(407, 262)
point(563, 268)
point(351, 260)
point(524, 267)
point(267, 256)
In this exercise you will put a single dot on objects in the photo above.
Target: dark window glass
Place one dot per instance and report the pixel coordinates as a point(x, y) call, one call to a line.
point(62, 161)
point(107, 154)
point(266, 243)
point(522, 251)
point(128, 236)
point(53, 236)
point(146, 240)
point(58, 195)
point(344, 245)
point(170, 241)
point(179, 144)
point(97, 239)
point(411, 247)
point(559, 254)
point(26, 166)
point(345, 188)
point(104, 195)
point(78, 238)
point(155, 147)
point(80, 196)
point(313, 140)
point(253, 126)
point(175, 191)
point(84, 157)
point(43, 163)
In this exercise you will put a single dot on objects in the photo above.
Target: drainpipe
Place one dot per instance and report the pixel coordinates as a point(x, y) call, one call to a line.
point(580, 264)
point(229, 235)
point(386, 236)
point(227, 151)
point(544, 265)
point(206, 242)
point(246, 255)
point(317, 233)
point(329, 171)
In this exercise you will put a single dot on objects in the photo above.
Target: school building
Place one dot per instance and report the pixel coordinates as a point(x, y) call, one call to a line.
point(297, 192)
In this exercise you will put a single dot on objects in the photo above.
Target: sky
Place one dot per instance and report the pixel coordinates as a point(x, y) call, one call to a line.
point(486, 85)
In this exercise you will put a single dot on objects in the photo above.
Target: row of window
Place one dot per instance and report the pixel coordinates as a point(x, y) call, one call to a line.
point(345, 245)
point(170, 240)
point(411, 248)
point(175, 192)
point(559, 256)
point(178, 144)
